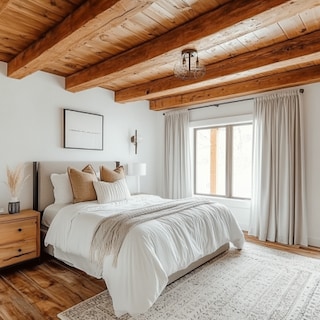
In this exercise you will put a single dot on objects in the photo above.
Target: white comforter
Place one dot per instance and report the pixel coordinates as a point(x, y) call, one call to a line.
point(150, 252)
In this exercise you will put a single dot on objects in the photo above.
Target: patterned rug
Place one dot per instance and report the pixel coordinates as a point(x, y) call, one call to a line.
point(255, 283)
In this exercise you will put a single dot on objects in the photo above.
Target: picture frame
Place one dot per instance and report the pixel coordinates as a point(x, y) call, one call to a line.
point(82, 130)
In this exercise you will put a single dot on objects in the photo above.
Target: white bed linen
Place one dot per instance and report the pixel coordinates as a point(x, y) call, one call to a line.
point(50, 212)
point(150, 252)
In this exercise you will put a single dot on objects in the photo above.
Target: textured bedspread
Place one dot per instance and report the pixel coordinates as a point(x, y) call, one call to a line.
point(150, 252)
point(111, 232)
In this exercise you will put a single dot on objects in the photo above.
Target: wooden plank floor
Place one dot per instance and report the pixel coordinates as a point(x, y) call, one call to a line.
point(312, 252)
point(41, 291)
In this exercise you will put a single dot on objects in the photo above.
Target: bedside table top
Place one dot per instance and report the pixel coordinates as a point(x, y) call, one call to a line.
point(20, 215)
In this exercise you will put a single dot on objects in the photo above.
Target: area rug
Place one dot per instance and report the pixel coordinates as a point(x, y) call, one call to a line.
point(254, 283)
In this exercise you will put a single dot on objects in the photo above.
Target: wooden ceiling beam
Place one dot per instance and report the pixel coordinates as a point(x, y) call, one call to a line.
point(258, 85)
point(275, 54)
point(238, 17)
point(89, 17)
point(4, 4)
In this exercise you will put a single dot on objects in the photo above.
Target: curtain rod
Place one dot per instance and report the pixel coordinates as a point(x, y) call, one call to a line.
point(228, 102)
point(217, 105)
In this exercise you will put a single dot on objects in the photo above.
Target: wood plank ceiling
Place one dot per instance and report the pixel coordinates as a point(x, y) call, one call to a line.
point(131, 46)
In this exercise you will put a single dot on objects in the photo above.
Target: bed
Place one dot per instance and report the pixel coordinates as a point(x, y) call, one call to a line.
point(148, 251)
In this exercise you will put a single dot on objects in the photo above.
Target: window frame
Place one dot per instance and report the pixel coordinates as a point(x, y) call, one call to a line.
point(227, 123)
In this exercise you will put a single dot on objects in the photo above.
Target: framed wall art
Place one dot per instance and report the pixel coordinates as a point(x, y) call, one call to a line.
point(82, 130)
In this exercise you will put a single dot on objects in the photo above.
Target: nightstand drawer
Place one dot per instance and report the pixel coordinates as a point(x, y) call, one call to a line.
point(19, 237)
point(16, 252)
point(18, 230)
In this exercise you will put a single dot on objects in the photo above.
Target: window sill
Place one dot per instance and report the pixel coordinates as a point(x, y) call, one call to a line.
point(230, 202)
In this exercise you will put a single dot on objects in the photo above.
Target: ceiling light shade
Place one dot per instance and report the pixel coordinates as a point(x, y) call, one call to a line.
point(189, 67)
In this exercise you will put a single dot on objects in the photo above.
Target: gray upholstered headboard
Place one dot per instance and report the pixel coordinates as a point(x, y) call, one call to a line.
point(42, 186)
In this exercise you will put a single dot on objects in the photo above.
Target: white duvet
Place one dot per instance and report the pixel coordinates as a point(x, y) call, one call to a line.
point(150, 252)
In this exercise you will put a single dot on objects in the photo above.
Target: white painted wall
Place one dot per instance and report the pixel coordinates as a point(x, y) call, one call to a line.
point(31, 128)
point(311, 97)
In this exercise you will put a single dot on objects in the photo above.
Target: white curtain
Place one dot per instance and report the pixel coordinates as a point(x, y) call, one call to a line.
point(278, 211)
point(177, 164)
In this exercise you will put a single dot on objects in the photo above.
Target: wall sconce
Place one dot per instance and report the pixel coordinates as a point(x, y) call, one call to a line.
point(135, 140)
point(137, 169)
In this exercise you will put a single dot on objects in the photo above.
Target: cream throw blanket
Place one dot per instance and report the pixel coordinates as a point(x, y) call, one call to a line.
point(111, 232)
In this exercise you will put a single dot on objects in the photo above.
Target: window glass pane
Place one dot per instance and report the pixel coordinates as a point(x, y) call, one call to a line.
point(210, 161)
point(241, 161)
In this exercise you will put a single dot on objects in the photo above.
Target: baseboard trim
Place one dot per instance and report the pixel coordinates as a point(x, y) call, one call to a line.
point(314, 242)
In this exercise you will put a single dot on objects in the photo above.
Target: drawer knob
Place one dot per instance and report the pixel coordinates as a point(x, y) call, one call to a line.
point(19, 250)
point(19, 229)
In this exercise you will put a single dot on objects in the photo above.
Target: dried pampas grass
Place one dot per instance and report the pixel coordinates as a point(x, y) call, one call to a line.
point(16, 180)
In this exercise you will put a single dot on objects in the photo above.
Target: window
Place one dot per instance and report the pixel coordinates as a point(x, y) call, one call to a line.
point(223, 160)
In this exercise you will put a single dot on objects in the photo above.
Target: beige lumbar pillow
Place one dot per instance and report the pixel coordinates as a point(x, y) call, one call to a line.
point(82, 184)
point(108, 175)
point(111, 191)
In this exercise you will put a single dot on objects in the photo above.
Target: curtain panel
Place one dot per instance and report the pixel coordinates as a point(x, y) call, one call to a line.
point(278, 211)
point(177, 162)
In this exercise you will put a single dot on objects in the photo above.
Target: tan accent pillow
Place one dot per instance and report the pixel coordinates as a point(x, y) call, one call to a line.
point(108, 175)
point(82, 184)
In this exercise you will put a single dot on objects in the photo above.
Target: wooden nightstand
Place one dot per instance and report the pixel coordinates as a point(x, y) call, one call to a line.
point(19, 237)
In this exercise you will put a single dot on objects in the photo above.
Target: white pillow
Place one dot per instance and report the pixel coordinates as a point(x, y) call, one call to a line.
point(111, 191)
point(61, 188)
